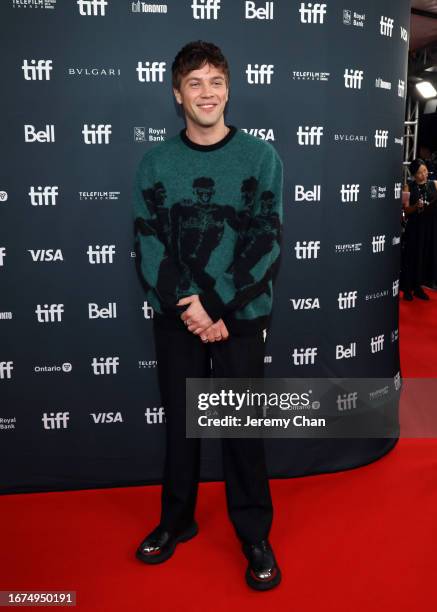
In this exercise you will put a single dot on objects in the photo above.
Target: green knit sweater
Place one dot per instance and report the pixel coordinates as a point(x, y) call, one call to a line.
point(208, 220)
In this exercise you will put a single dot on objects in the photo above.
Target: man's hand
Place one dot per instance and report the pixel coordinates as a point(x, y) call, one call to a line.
point(195, 316)
point(216, 332)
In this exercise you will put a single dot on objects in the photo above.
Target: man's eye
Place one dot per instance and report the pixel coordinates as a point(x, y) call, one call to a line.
point(194, 84)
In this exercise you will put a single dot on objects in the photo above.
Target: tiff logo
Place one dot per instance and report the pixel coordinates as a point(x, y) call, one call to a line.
point(94, 8)
point(309, 135)
point(353, 78)
point(386, 24)
point(378, 243)
point(312, 13)
point(347, 401)
point(151, 72)
point(346, 353)
point(104, 365)
point(49, 313)
point(381, 138)
point(205, 9)
point(307, 250)
point(349, 193)
point(259, 74)
point(37, 72)
point(147, 310)
point(96, 134)
point(55, 421)
point(6, 368)
point(347, 299)
point(401, 88)
point(377, 343)
point(154, 415)
point(43, 197)
point(304, 356)
point(251, 12)
point(101, 254)
point(395, 288)
point(2, 255)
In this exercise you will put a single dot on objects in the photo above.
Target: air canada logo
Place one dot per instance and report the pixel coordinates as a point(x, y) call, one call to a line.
point(193, 228)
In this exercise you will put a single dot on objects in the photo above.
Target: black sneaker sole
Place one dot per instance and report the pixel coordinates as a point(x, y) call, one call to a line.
point(263, 585)
point(186, 535)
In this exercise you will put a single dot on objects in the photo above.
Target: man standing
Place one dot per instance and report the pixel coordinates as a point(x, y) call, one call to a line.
point(208, 221)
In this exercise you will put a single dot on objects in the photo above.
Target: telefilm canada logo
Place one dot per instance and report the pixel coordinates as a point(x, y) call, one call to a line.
point(34, 4)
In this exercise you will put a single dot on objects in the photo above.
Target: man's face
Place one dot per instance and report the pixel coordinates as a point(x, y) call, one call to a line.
point(203, 94)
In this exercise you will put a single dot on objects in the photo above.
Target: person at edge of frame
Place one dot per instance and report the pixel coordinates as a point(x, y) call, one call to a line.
point(208, 225)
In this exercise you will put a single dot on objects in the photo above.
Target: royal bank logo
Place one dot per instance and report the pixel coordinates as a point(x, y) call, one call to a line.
point(378, 244)
point(309, 135)
point(261, 133)
point(103, 366)
point(401, 88)
point(34, 4)
point(307, 249)
point(151, 72)
point(251, 11)
point(99, 195)
point(347, 300)
point(378, 192)
point(8, 423)
point(298, 75)
point(92, 8)
point(353, 79)
point(307, 195)
point(312, 12)
point(349, 192)
point(377, 343)
point(146, 7)
point(259, 74)
point(141, 134)
point(381, 139)
point(43, 196)
point(341, 249)
point(31, 135)
point(381, 84)
point(395, 287)
point(37, 70)
point(49, 313)
point(397, 381)
point(205, 9)
point(304, 356)
point(353, 18)
point(386, 26)
point(96, 133)
point(378, 393)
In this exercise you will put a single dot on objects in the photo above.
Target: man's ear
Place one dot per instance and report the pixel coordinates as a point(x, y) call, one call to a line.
point(177, 95)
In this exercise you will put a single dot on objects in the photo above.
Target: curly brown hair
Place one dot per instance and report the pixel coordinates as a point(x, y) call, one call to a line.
point(193, 56)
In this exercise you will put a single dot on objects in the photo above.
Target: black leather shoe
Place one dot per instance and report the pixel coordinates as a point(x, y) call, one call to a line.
point(160, 544)
point(408, 296)
point(419, 293)
point(262, 572)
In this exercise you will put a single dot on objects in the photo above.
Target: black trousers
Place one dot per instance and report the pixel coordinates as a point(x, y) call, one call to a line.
point(180, 355)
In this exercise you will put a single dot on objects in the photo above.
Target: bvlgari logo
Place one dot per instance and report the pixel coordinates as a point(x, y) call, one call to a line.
point(93, 72)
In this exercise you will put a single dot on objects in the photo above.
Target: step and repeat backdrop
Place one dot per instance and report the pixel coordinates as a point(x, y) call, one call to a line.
point(87, 90)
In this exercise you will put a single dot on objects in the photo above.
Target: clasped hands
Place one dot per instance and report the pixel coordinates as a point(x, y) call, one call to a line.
point(200, 323)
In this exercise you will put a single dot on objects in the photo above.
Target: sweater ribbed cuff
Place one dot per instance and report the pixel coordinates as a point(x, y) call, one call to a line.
point(213, 304)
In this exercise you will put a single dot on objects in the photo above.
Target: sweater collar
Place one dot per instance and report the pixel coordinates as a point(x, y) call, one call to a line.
point(212, 147)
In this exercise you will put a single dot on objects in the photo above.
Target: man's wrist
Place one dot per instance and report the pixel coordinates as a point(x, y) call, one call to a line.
point(212, 304)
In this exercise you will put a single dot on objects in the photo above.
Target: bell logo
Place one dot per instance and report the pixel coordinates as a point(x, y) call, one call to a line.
point(251, 12)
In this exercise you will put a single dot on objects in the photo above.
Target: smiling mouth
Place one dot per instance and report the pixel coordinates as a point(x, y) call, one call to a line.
point(206, 106)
